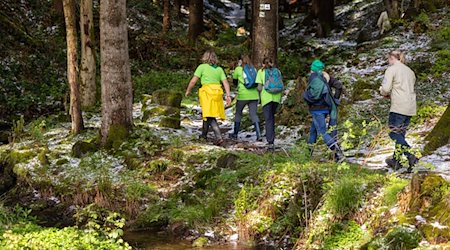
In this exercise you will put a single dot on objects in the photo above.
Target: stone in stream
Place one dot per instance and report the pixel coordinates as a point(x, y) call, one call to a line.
point(164, 105)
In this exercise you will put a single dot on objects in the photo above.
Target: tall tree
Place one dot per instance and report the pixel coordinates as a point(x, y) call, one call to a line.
point(393, 8)
point(195, 19)
point(177, 7)
point(166, 15)
point(72, 66)
point(323, 10)
point(117, 97)
point(88, 66)
point(264, 30)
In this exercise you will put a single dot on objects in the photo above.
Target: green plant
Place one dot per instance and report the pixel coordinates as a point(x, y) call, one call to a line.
point(394, 186)
point(18, 128)
point(345, 197)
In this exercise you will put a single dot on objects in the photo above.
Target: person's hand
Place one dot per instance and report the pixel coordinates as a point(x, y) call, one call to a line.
point(228, 99)
point(187, 93)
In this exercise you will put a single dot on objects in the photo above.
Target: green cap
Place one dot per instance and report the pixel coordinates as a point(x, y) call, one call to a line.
point(317, 65)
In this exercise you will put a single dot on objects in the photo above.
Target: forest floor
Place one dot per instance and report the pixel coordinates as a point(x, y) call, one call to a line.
point(169, 180)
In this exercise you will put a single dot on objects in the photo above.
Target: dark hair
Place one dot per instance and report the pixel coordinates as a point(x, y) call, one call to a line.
point(268, 63)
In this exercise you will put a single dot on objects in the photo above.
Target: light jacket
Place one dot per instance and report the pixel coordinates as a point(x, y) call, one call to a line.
point(398, 83)
point(211, 101)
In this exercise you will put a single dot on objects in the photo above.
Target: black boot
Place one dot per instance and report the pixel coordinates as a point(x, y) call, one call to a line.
point(258, 131)
point(205, 128)
point(217, 133)
point(393, 163)
point(235, 133)
point(412, 162)
point(339, 156)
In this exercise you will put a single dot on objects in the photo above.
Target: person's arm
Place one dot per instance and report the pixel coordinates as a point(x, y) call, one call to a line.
point(191, 85)
point(386, 86)
point(226, 86)
point(337, 86)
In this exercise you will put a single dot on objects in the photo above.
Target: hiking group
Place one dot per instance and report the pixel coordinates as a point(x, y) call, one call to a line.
point(265, 86)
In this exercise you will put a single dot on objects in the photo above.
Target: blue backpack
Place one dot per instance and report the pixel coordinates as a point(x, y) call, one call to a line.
point(250, 77)
point(273, 81)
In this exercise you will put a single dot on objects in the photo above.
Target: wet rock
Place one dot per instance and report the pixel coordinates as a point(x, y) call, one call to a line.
point(81, 148)
point(228, 160)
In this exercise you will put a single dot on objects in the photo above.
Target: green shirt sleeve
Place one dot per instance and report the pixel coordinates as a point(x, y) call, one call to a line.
point(260, 77)
point(222, 75)
point(199, 71)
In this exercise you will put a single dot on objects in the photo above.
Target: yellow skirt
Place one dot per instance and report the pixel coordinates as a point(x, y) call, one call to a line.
point(211, 101)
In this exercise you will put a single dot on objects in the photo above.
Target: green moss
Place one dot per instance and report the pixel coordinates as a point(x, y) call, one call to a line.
point(160, 111)
point(394, 186)
point(21, 156)
point(362, 90)
point(170, 122)
point(440, 135)
point(43, 158)
point(167, 98)
point(158, 166)
point(117, 135)
point(81, 148)
point(200, 242)
point(345, 197)
point(62, 161)
point(344, 236)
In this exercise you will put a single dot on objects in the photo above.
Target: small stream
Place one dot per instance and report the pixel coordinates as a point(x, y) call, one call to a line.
point(159, 240)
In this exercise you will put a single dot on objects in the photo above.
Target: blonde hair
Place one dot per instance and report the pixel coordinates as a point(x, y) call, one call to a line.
point(399, 55)
point(246, 60)
point(210, 57)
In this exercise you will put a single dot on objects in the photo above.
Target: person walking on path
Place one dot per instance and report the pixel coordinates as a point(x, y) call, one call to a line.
point(211, 93)
point(248, 95)
point(398, 85)
point(321, 105)
point(270, 82)
point(337, 86)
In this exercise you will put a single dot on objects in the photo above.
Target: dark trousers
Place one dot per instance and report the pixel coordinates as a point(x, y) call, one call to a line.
point(398, 124)
point(269, 111)
point(210, 121)
point(252, 109)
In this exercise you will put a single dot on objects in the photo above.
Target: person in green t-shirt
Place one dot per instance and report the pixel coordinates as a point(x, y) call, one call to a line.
point(269, 102)
point(245, 97)
point(211, 93)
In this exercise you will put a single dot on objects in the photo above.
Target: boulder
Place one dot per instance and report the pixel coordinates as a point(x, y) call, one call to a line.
point(166, 97)
point(81, 148)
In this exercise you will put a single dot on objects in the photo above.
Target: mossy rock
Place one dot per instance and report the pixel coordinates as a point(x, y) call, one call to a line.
point(167, 98)
point(7, 176)
point(81, 148)
point(170, 122)
point(16, 157)
point(229, 161)
point(117, 135)
point(62, 161)
point(200, 242)
point(155, 111)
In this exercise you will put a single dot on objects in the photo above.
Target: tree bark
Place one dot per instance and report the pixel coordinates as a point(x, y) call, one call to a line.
point(88, 66)
point(440, 135)
point(393, 8)
point(166, 16)
point(72, 66)
point(264, 31)
point(177, 7)
point(323, 10)
point(195, 19)
point(117, 97)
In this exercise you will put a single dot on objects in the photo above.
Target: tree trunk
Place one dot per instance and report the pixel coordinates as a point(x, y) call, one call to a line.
point(166, 16)
point(264, 31)
point(177, 7)
point(440, 135)
point(195, 19)
point(117, 97)
point(88, 66)
point(323, 10)
point(72, 66)
point(393, 8)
